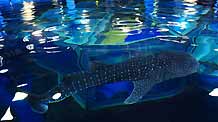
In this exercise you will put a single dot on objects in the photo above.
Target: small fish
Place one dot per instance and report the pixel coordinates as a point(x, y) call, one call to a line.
point(143, 71)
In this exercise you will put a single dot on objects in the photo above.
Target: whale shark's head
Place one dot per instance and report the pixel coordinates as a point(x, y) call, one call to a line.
point(180, 64)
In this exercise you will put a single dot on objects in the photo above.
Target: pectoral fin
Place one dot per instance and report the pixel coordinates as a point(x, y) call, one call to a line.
point(141, 88)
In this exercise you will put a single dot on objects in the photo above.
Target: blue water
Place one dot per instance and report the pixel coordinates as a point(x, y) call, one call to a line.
point(43, 40)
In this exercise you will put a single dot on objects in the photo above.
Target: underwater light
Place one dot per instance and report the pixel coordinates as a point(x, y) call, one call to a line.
point(191, 1)
point(84, 11)
point(28, 11)
point(84, 21)
point(25, 84)
point(1, 45)
point(216, 49)
point(7, 115)
point(19, 96)
point(3, 71)
point(183, 25)
point(214, 93)
point(56, 96)
point(37, 33)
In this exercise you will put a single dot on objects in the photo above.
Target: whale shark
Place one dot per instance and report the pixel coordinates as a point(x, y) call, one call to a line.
point(144, 71)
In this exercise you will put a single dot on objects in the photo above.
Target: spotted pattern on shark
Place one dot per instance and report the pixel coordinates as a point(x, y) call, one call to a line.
point(143, 71)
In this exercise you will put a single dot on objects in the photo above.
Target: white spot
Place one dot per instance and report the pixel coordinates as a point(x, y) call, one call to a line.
point(56, 96)
point(214, 93)
point(19, 96)
point(7, 115)
point(25, 84)
point(216, 49)
point(3, 71)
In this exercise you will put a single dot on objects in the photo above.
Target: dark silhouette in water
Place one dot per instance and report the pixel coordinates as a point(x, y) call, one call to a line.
point(143, 71)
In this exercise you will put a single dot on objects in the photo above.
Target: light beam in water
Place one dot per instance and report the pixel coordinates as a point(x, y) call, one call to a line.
point(8, 116)
point(25, 84)
point(214, 93)
point(19, 96)
point(28, 11)
point(56, 96)
point(3, 71)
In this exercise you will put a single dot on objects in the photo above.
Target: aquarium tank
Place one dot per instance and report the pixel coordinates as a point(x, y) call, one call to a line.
point(108, 60)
